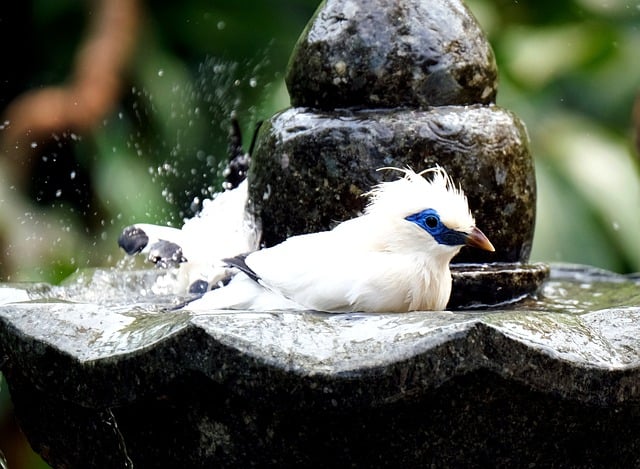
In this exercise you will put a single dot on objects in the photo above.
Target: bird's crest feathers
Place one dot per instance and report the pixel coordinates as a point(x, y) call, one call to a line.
point(414, 193)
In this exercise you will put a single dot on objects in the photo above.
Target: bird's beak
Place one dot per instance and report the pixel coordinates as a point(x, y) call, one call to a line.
point(477, 239)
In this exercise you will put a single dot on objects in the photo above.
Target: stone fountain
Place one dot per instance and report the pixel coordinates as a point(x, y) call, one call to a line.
point(104, 373)
point(403, 84)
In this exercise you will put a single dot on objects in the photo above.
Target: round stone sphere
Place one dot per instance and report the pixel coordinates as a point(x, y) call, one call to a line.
point(391, 53)
point(310, 169)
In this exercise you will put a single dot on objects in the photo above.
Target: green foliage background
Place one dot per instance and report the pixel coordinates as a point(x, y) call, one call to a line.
point(569, 69)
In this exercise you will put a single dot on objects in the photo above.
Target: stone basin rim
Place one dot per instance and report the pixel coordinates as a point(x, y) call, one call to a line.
point(344, 381)
point(466, 345)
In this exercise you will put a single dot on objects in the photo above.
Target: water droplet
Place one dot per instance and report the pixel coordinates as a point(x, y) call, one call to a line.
point(34, 144)
point(253, 82)
point(161, 73)
point(72, 175)
point(221, 25)
point(267, 193)
point(58, 192)
point(616, 226)
point(195, 205)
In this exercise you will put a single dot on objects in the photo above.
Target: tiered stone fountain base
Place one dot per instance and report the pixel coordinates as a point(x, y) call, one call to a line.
point(102, 378)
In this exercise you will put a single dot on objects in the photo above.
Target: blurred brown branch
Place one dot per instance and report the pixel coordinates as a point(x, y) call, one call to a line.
point(92, 91)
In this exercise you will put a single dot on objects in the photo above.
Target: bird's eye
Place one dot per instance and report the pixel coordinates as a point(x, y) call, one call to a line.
point(428, 220)
point(431, 221)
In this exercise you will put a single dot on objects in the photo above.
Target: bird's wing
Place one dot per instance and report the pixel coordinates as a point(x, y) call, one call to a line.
point(140, 237)
point(245, 294)
point(222, 229)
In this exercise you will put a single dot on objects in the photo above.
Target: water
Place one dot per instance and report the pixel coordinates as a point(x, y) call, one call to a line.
point(190, 148)
point(576, 289)
point(571, 289)
point(580, 314)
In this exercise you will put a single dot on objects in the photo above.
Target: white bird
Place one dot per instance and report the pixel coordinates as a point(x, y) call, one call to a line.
point(222, 229)
point(393, 258)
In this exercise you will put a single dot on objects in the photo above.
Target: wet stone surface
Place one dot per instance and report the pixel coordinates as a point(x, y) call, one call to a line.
point(385, 53)
point(104, 374)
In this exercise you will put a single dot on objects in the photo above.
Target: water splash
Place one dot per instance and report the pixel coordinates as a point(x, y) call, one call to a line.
point(191, 120)
point(571, 290)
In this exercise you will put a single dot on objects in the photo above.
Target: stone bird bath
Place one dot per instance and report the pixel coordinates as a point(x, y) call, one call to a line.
point(526, 369)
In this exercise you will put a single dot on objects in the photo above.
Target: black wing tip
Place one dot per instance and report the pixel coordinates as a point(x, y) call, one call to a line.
point(239, 262)
point(133, 240)
point(199, 287)
point(166, 254)
point(239, 161)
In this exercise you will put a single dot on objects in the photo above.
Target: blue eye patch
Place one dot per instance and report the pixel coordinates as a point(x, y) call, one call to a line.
point(429, 220)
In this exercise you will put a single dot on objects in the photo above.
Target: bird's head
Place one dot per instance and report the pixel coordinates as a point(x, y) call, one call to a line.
point(434, 205)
